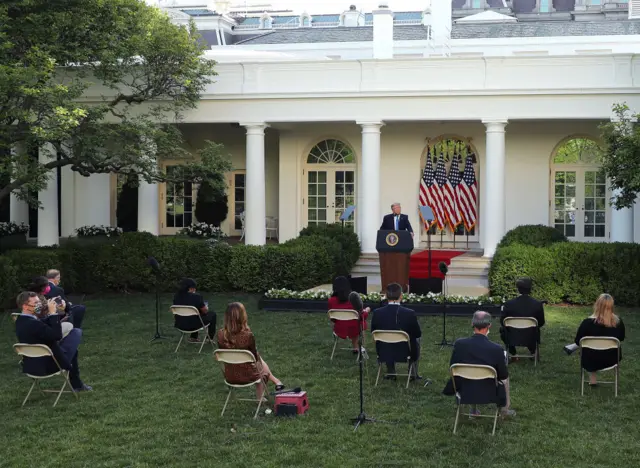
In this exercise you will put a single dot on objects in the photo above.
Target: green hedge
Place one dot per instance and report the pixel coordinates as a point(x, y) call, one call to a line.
point(120, 263)
point(536, 235)
point(572, 272)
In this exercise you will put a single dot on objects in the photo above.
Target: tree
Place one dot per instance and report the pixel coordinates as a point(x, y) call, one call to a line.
point(99, 86)
point(211, 202)
point(621, 156)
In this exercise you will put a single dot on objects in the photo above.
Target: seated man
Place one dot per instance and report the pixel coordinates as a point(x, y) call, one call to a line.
point(477, 349)
point(522, 306)
point(395, 317)
point(48, 331)
point(74, 313)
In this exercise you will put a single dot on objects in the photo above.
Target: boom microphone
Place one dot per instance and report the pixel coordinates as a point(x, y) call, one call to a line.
point(444, 269)
point(356, 301)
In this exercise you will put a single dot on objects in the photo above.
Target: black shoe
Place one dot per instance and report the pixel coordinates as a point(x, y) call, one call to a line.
point(415, 377)
point(390, 377)
point(83, 388)
point(568, 351)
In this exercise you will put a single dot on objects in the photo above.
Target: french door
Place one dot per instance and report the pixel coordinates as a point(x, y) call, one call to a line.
point(579, 207)
point(329, 192)
point(177, 205)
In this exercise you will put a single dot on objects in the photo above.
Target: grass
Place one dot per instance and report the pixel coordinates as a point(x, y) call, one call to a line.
point(153, 408)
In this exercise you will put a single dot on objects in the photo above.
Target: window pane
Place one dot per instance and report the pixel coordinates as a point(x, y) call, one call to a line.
point(600, 229)
point(588, 230)
point(571, 190)
point(589, 204)
point(570, 231)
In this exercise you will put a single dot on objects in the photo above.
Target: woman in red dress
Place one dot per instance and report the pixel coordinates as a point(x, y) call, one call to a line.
point(346, 329)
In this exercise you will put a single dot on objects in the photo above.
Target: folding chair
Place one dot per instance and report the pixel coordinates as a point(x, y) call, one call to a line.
point(523, 323)
point(234, 357)
point(342, 315)
point(190, 311)
point(601, 343)
point(40, 351)
point(473, 372)
point(393, 337)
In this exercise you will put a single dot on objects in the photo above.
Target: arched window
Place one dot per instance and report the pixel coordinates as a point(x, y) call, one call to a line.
point(305, 20)
point(266, 21)
point(331, 152)
point(330, 177)
point(579, 207)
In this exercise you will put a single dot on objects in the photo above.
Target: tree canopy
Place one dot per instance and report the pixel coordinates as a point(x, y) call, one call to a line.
point(621, 156)
point(98, 85)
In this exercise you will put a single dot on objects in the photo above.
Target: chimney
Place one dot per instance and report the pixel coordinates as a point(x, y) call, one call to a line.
point(352, 17)
point(441, 21)
point(382, 32)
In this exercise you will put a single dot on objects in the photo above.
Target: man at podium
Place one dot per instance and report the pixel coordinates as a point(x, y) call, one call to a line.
point(396, 221)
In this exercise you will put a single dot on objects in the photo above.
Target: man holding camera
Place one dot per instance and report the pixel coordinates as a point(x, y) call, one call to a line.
point(75, 313)
point(48, 331)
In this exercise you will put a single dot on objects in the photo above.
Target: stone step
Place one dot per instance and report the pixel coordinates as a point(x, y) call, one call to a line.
point(468, 275)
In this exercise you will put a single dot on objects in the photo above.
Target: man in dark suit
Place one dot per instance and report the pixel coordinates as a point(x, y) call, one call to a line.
point(396, 221)
point(74, 313)
point(395, 317)
point(522, 306)
point(48, 331)
point(477, 349)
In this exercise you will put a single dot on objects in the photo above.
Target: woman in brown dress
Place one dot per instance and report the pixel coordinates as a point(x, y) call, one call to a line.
point(236, 334)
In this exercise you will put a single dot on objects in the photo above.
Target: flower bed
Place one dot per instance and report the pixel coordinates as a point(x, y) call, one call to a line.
point(203, 231)
point(98, 231)
point(429, 304)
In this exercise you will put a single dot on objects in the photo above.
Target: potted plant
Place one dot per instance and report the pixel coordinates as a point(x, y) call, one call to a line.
point(203, 231)
point(13, 235)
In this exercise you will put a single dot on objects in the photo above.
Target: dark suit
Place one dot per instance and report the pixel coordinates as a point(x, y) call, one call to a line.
point(522, 306)
point(48, 331)
point(396, 317)
point(478, 349)
point(388, 223)
point(75, 312)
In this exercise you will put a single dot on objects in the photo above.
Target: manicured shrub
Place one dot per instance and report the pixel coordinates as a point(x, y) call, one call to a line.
point(8, 285)
point(30, 263)
point(246, 268)
point(350, 252)
point(536, 235)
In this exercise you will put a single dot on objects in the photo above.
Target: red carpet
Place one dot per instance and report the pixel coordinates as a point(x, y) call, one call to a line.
point(419, 263)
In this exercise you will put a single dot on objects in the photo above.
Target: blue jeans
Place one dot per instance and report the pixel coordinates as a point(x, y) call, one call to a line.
point(69, 347)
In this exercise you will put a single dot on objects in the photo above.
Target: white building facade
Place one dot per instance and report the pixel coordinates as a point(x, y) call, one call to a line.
point(319, 112)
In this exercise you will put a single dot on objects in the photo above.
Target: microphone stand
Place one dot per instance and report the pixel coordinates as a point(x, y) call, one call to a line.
point(444, 343)
point(157, 336)
point(362, 417)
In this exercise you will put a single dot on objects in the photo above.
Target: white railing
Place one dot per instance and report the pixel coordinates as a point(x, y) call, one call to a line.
point(247, 26)
point(296, 24)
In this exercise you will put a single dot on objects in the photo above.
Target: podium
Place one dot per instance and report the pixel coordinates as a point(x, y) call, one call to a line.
point(394, 249)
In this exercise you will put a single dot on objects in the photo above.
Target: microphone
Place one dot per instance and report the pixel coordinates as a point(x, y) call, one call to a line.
point(153, 263)
point(444, 269)
point(356, 301)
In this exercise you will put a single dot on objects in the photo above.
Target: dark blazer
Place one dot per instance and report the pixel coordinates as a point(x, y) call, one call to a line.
point(522, 306)
point(47, 332)
point(477, 349)
point(591, 359)
point(388, 223)
point(396, 317)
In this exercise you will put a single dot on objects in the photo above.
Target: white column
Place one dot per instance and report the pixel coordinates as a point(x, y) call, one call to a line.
point(48, 198)
point(492, 217)
point(621, 224)
point(68, 197)
point(148, 208)
point(93, 201)
point(255, 205)
point(370, 182)
point(18, 209)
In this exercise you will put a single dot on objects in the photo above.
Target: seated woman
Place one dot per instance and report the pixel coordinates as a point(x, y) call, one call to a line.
point(236, 334)
point(40, 286)
point(346, 329)
point(603, 322)
point(187, 296)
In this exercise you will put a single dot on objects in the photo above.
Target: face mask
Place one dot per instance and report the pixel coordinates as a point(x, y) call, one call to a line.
point(37, 308)
point(46, 290)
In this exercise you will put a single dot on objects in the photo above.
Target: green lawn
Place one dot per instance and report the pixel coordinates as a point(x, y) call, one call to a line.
point(154, 408)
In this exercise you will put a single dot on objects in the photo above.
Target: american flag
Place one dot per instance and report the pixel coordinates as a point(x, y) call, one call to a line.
point(428, 193)
point(450, 193)
point(468, 193)
point(439, 195)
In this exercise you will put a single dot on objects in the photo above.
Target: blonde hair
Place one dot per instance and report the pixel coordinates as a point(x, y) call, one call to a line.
point(235, 320)
point(603, 311)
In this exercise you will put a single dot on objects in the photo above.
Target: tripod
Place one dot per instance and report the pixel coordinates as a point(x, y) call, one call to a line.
point(156, 269)
point(362, 417)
